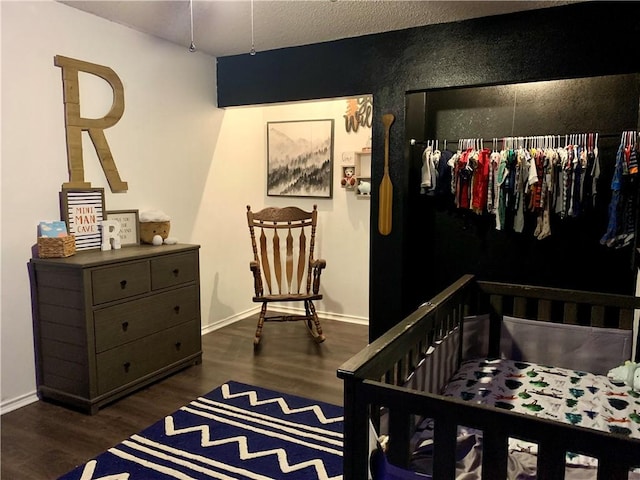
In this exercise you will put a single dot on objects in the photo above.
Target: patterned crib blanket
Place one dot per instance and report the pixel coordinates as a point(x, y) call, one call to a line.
point(570, 396)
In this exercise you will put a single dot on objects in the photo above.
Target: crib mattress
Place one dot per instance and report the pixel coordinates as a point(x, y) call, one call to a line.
point(570, 396)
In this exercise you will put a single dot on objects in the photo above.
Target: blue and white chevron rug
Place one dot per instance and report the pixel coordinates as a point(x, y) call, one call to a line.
point(236, 431)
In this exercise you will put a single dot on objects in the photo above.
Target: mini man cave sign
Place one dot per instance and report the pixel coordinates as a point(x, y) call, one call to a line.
point(75, 124)
point(83, 211)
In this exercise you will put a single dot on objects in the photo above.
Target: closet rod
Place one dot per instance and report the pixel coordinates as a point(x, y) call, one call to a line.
point(413, 141)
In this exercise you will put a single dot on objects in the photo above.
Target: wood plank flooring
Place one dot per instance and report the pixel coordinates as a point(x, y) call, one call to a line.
point(42, 441)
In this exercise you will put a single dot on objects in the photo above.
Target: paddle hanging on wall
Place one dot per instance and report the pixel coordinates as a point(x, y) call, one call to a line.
point(386, 187)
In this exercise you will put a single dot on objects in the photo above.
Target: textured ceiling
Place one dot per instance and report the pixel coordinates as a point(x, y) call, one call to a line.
point(225, 27)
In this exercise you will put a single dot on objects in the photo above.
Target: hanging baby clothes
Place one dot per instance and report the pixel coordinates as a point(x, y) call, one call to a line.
point(591, 175)
point(463, 172)
point(507, 198)
point(631, 192)
point(624, 190)
point(444, 173)
point(453, 161)
point(567, 207)
point(536, 203)
point(529, 177)
point(578, 175)
point(523, 160)
point(480, 182)
point(492, 186)
point(430, 160)
point(546, 194)
point(559, 180)
point(502, 174)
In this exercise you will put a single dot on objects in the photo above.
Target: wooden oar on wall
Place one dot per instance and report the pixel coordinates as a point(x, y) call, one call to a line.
point(386, 187)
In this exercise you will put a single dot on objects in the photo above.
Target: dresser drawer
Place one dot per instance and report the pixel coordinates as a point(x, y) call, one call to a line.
point(122, 281)
point(130, 321)
point(172, 270)
point(128, 363)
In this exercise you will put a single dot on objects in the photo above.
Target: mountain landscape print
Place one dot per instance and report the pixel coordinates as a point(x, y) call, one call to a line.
point(300, 158)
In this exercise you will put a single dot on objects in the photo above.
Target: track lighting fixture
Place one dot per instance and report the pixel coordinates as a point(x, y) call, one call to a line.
point(253, 45)
point(192, 46)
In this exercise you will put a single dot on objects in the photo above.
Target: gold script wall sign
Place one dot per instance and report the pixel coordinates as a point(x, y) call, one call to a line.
point(359, 113)
point(75, 124)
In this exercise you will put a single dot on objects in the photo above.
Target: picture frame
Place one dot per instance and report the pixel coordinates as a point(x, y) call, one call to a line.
point(82, 209)
point(129, 225)
point(300, 158)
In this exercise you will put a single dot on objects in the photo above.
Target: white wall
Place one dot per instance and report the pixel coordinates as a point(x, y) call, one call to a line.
point(177, 151)
point(238, 178)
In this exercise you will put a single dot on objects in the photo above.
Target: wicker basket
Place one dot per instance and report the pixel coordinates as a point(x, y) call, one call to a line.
point(56, 247)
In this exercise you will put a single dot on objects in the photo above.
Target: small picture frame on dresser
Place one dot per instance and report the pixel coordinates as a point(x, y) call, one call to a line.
point(129, 226)
point(82, 209)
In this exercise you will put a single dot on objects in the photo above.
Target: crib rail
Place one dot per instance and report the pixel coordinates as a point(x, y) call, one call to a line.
point(560, 305)
point(412, 336)
point(390, 360)
point(616, 454)
point(373, 379)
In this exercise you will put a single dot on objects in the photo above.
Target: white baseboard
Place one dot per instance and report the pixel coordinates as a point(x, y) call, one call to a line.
point(13, 404)
point(280, 308)
point(229, 320)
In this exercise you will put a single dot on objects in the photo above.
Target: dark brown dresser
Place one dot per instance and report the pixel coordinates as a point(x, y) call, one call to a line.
point(108, 323)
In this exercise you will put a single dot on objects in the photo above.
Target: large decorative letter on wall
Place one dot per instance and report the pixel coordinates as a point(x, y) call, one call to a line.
point(75, 124)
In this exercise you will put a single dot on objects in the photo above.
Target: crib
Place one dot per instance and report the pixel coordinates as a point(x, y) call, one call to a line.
point(393, 384)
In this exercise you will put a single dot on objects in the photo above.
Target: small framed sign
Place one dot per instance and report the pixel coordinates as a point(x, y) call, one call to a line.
point(129, 231)
point(83, 209)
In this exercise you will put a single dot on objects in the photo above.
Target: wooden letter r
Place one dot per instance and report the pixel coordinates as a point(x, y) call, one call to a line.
point(75, 124)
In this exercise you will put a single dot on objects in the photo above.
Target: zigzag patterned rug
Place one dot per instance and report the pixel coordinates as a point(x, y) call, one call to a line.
point(236, 431)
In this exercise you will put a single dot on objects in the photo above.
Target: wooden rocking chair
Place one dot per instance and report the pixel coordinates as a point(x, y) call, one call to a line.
point(286, 235)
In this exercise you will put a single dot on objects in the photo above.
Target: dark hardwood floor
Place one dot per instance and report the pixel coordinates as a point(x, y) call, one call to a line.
point(42, 441)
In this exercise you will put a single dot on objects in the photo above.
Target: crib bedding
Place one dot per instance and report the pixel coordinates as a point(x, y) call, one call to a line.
point(571, 396)
point(560, 394)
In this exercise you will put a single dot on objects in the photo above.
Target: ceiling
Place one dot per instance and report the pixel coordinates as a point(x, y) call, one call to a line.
point(224, 27)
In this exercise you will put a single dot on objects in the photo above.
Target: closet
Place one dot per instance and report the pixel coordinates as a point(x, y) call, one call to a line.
point(572, 115)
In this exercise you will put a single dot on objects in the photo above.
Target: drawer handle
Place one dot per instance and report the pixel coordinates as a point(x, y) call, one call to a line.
point(176, 309)
point(123, 284)
point(125, 326)
point(178, 345)
point(127, 366)
point(176, 272)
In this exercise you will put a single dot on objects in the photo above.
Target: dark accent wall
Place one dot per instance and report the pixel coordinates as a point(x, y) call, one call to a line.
point(578, 40)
